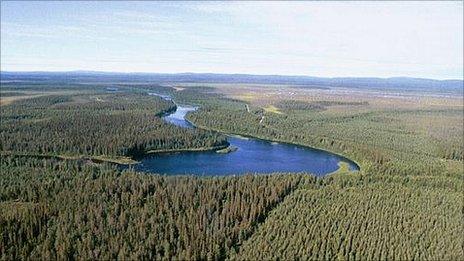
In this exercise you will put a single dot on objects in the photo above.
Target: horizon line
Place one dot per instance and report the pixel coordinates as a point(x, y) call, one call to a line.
point(248, 74)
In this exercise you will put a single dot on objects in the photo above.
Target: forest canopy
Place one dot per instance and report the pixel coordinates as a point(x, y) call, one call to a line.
point(405, 202)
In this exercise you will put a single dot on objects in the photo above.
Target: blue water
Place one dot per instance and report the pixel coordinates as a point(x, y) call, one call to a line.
point(178, 117)
point(252, 156)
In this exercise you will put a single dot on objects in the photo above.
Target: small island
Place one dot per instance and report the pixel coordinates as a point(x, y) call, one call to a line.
point(229, 149)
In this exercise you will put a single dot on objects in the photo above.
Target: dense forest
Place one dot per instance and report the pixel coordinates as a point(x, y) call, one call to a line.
point(98, 124)
point(363, 219)
point(386, 135)
point(65, 210)
point(405, 202)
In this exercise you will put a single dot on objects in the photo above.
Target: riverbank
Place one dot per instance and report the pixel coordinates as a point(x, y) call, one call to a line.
point(343, 168)
point(167, 112)
point(183, 116)
point(214, 148)
point(121, 160)
point(231, 134)
point(228, 149)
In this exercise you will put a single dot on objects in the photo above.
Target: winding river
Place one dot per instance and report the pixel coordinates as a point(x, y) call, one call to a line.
point(252, 156)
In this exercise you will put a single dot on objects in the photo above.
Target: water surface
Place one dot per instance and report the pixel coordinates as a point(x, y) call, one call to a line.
point(252, 156)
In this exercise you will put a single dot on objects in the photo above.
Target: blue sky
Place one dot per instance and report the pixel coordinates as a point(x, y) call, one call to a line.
point(330, 39)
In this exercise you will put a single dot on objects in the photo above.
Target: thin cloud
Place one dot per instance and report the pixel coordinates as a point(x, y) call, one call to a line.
point(421, 39)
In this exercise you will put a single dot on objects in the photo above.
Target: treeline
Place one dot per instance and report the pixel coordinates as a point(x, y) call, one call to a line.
point(117, 124)
point(65, 210)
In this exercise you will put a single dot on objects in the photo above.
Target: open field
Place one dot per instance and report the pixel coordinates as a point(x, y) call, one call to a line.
point(261, 95)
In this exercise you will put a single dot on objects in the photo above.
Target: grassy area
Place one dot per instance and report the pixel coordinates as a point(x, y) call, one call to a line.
point(343, 169)
point(272, 109)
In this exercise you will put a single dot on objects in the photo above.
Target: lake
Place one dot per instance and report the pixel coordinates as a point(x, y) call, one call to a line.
point(252, 156)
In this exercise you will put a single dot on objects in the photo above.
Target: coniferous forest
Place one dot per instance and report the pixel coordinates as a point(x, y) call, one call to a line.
point(98, 124)
point(405, 203)
point(63, 210)
point(232, 130)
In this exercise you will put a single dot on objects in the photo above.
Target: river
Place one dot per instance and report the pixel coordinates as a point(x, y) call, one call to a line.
point(252, 156)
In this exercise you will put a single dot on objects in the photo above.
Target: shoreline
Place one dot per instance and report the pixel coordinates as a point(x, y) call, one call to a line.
point(121, 160)
point(246, 136)
point(162, 151)
point(131, 160)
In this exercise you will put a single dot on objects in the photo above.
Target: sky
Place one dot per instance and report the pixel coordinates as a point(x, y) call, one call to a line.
point(326, 39)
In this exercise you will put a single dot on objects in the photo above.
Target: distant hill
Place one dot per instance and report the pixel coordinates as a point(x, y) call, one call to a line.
point(390, 84)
